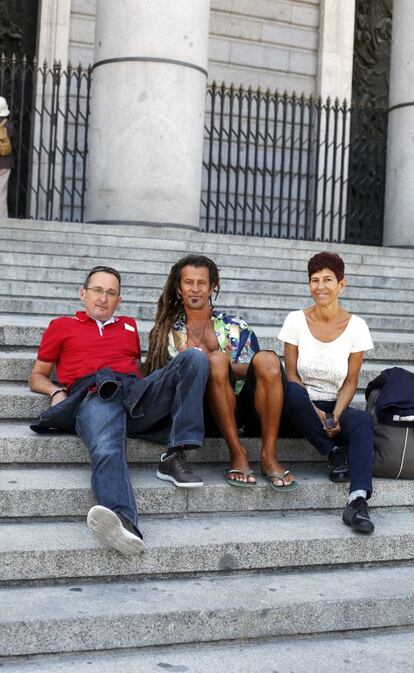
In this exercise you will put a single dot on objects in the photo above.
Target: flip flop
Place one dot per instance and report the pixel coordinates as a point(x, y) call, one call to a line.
point(240, 484)
point(286, 487)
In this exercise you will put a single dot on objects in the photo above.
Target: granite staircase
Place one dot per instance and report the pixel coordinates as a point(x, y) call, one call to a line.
point(232, 579)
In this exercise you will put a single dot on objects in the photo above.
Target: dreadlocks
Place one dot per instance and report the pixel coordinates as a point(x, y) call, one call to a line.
point(170, 308)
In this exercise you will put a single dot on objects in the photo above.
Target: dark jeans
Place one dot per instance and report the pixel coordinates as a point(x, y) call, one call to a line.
point(356, 433)
point(171, 408)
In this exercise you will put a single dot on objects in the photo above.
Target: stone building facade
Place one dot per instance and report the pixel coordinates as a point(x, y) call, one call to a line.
point(315, 47)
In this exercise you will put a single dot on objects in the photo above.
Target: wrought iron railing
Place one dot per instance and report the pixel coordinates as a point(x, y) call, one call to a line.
point(274, 165)
point(50, 111)
point(291, 167)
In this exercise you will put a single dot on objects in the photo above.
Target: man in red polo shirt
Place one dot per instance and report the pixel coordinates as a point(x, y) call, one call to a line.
point(97, 358)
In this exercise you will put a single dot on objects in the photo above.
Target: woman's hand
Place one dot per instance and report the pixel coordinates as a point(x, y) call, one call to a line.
point(321, 414)
point(331, 432)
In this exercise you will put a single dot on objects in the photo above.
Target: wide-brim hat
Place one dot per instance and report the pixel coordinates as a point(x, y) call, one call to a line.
point(4, 109)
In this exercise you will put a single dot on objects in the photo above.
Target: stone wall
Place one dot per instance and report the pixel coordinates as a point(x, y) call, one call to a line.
point(82, 31)
point(266, 43)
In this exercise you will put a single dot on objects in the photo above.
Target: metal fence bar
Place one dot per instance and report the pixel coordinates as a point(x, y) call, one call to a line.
point(257, 137)
point(282, 164)
point(212, 96)
point(264, 165)
point(300, 160)
point(43, 116)
point(344, 113)
point(291, 204)
point(19, 152)
point(75, 142)
point(52, 151)
point(308, 170)
point(238, 159)
point(65, 141)
point(88, 81)
point(227, 202)
point(245, 169)
point(43, 73)
point(274, 154)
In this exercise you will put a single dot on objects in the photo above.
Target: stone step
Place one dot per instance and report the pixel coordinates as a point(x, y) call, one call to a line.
point(389, 347)
point(22, 291)
point(169, 234)
point(204, 544)
point(23, 334)
point(163, 252)
point(244, 291)
point(122, 615)
point(18, 402)
point(363, 652)
point(24, 239)
point(290, 282)
point(19, 445)
point(66, 492)
point(255, 316)
point(17, 365)
point(20, 253)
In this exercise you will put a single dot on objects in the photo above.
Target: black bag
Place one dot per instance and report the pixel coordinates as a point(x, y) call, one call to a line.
point(393, 445)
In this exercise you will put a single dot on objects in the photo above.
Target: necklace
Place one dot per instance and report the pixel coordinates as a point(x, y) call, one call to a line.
point(190, 334)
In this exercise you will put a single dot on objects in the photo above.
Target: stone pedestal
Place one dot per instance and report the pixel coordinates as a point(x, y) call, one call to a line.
point(147, 112)
point(399, 192)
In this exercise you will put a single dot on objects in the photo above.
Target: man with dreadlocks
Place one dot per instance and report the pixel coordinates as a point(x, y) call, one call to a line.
point(245, 384)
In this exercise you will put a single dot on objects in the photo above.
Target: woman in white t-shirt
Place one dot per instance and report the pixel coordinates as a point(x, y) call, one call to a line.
point(324, 348)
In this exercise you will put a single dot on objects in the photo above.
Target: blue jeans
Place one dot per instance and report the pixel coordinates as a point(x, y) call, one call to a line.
point(356, 433)
point(173, 400)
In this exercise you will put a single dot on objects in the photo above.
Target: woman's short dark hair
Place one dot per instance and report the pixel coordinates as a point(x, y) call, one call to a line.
point(327, 260)
point(105, 269)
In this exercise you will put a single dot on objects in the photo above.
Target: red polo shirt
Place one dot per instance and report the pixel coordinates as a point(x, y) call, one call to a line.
point(78, 348)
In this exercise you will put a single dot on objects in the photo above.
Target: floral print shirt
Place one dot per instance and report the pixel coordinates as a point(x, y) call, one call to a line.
point(234, 336)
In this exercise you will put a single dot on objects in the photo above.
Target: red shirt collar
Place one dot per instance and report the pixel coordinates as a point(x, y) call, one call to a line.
point(84, 317)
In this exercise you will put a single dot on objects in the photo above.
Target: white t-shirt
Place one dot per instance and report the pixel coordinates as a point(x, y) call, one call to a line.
point(322, 366)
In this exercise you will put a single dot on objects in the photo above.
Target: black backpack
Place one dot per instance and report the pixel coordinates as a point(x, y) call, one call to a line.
point(393, 445)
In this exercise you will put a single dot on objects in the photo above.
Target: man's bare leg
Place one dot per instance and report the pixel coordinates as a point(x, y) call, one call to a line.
point(268, 401)
point(222, 401)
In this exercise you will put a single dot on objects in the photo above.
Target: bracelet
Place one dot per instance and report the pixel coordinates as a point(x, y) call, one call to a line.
point(57, 391)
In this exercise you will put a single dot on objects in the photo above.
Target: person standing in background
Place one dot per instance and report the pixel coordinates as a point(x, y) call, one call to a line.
point(6, 155)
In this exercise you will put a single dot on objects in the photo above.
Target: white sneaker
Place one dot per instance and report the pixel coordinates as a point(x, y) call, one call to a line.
point(108, 529)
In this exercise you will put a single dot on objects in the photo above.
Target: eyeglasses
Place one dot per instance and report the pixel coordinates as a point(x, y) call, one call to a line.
point(100, 292)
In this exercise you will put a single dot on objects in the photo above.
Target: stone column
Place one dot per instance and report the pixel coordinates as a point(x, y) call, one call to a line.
point(147, 112)
point(336, 44)
point(399, 192)
point(336, 48)
point(54, 27)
